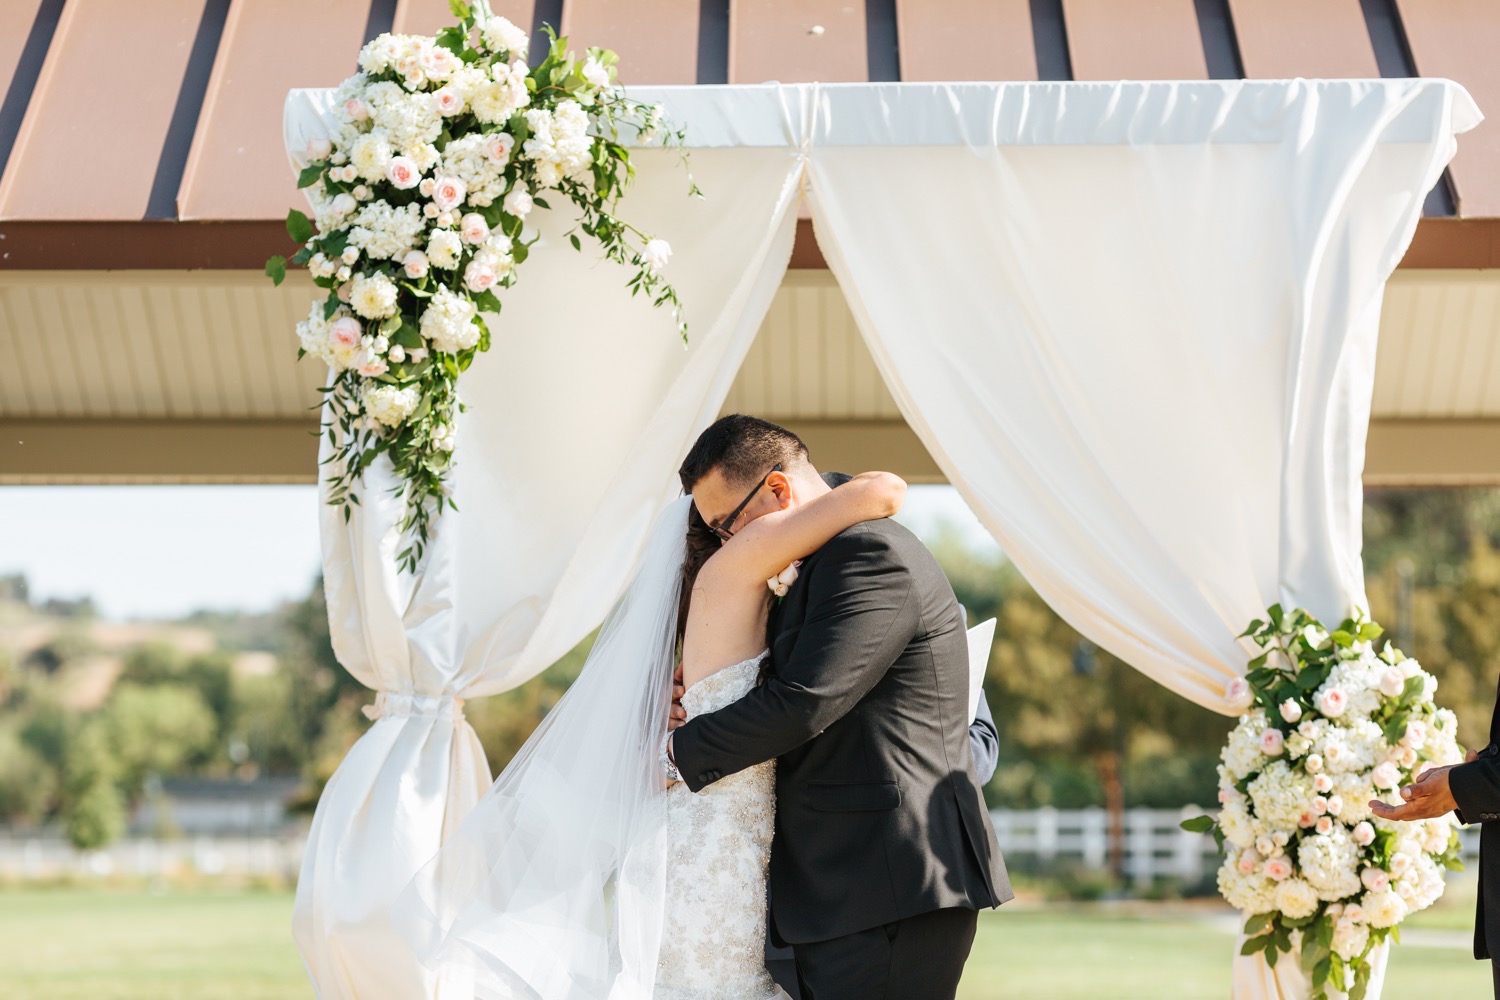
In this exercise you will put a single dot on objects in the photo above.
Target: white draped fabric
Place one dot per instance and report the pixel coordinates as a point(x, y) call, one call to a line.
point(576, 420)
point(1134, 323)
point(1135, 326)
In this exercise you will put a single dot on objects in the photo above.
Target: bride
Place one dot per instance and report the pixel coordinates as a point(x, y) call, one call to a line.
point(580, 875)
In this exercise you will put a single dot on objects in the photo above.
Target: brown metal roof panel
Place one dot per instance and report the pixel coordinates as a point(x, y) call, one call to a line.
point(426, 17)
point(237, 168)
point(93, 133)
point(1460, 39)
point(812, 40)
point(657, 40)
point(16, 19)
point(966, 40)
point(1307, 38)
point(1143, 40)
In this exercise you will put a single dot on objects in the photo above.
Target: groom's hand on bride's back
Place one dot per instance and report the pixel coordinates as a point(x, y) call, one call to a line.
point(677, 715)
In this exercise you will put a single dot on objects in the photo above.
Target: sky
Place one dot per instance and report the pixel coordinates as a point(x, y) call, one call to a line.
point(161, 552)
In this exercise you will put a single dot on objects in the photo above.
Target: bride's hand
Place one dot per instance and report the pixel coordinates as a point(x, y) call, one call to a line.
point(678, 715)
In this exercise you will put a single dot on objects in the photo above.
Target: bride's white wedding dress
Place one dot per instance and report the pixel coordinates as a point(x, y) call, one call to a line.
point(713, 944)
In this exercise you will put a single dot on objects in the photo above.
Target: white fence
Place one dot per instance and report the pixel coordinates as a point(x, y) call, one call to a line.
point(1154, 847)
point(23, 859)
point(1154, 843)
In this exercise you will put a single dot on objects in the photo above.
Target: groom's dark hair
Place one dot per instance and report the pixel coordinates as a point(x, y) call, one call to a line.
point(743, 449)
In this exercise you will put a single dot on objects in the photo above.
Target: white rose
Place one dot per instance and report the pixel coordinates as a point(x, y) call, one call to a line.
point(370, 156)
point(319, 148)
point(1290, 710)
point(344, 203)
point(1416, 734)
point(655, 254)
point(518, 202)
point(1314, 762)
point(1364, 834)
point(1375, 879)
point(444, 248)
point(595, 73)
point(1350, 939)
point(1296, 899)
point(1392, 682)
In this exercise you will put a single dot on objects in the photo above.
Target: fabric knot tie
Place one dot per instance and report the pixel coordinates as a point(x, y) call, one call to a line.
point(402, 704)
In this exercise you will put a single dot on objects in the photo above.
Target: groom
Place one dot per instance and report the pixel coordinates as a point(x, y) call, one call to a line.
point(883, 851)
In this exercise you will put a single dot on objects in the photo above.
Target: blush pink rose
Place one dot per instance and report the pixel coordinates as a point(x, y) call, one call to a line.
point(1237, 693)
point(1319, 805)
point(479, 276)
point(356, 109)
point(1307, 819)
point(1322, 783)
point(1392, 682)
point(403, 173)
point(1385, 776)
point(447, 101)
point(1364, 834)
point(373, 366)
point(1278, 868)
point(1249, 860)
point(1272, 742)
point(319, 148)
point(498, 146)
point(1333, 702)
point(473, 229)
point(448, 192)
point(1324, 825)
point(415, 263)
point(1374, 879)
point(344, 331)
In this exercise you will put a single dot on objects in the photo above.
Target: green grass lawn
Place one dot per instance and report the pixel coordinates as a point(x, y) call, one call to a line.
point(71, 944)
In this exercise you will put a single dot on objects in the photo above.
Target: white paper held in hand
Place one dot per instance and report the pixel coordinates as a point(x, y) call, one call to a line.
point(981, 638)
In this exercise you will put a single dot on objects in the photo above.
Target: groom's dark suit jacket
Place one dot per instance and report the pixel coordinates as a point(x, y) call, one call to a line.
point(879, 816)
point(1476, 789)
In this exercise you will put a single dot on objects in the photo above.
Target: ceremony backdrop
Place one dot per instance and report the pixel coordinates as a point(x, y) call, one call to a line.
point(1163, 426)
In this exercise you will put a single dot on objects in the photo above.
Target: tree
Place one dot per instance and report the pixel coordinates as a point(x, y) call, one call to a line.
point(93, 810)
point(156, 729)
point(28, 784)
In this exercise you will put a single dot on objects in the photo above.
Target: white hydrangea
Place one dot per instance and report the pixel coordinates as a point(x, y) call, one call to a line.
point(409, 122)
point(389, 404)
point(1280, 795)
point(386, 233)
point(1330, 863)
point(373, 296)
point(501, 35)
point(559, 145)
point(1247, 893)
point(448, 322)
point(494, 99)
point(1242, 753)
point(371, 153)
point(466, 158)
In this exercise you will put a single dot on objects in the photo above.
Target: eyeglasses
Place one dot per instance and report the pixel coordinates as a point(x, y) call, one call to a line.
point(723, 532)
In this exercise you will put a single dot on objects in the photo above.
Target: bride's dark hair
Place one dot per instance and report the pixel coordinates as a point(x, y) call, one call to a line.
point(701, 543)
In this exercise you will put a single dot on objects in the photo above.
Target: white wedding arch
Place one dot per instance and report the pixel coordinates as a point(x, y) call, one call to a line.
point(1162, 422)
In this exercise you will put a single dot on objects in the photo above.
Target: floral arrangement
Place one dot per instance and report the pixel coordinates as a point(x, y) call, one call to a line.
point(440, 150)
point(1329, 724)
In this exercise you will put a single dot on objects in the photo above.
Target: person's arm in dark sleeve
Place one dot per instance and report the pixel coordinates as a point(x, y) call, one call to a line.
point(984, 741)
point(1476, 788)
point(861, 613)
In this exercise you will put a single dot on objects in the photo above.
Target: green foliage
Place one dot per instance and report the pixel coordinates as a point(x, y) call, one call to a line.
point(156, 729)
point(28, 784)
point(94, 811)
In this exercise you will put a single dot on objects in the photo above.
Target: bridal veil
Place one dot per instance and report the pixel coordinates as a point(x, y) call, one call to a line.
point(553, 886)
